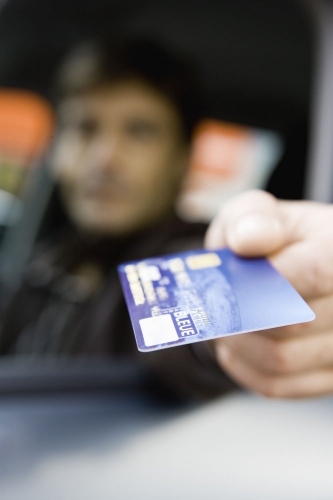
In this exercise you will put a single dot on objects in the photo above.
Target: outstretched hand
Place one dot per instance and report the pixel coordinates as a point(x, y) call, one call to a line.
point(297, 237)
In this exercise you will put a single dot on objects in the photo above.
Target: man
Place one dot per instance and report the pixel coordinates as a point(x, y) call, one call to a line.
point(71, 301)
point(126, 114)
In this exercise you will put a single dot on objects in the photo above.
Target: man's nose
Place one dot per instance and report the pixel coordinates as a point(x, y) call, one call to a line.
point(106, 152)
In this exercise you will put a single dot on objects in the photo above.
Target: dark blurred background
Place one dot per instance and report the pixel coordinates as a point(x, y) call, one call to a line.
point(256, 55)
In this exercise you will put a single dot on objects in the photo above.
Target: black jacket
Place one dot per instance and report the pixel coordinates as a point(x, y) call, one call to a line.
point(71, 304)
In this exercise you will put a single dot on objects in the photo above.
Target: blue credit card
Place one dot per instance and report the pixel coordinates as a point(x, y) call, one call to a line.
point(201, 295)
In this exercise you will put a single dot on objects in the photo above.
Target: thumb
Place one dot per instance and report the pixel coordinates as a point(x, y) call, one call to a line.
point(250, 224)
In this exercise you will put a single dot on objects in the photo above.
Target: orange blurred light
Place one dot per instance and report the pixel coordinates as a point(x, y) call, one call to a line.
point(26, 124)
point(219, 148)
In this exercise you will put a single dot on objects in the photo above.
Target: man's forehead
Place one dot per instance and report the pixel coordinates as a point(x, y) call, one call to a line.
point(129, 96)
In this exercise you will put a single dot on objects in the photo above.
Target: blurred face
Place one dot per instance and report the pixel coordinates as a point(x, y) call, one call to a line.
point(119, 157)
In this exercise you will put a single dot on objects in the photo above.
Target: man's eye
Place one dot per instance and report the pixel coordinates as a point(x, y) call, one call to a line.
point(142, 130)
point(87, 127)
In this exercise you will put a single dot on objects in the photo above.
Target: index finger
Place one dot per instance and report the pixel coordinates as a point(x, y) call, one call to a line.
point(297, 237)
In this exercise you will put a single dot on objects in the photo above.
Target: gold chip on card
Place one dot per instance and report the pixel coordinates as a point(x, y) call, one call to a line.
point(203, 261)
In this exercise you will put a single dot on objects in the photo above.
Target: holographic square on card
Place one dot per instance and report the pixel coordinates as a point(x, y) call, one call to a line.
point(201, 295)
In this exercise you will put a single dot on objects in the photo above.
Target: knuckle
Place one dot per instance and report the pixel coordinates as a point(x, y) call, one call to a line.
point(280, 358)
point(320, 278)
point(271, 388)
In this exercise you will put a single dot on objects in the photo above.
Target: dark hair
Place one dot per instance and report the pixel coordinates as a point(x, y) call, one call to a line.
point(99, 61)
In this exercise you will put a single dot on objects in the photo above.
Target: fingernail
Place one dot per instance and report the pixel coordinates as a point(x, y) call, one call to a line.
point(255, 226)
